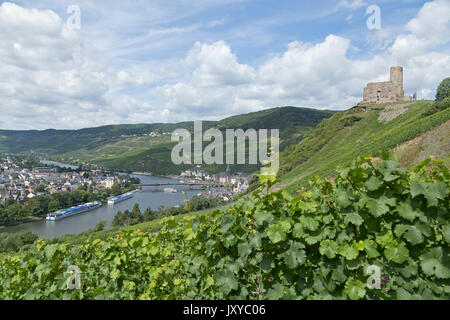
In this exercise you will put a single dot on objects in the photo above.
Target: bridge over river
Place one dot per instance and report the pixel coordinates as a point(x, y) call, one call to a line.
point(178, 184)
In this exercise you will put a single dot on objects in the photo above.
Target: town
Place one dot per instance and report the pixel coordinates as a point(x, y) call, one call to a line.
point(20, 182)
point(23, 178)
point(223, 185)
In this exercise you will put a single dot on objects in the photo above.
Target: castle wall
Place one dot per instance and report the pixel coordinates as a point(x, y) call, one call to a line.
point(384, 92)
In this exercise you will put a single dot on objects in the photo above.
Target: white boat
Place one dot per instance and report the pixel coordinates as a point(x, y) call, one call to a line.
point(170, 190)
point(120, 198)
point(61, 214)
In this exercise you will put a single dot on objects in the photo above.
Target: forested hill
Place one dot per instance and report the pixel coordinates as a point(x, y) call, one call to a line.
point(126, 147)
point(53, 141)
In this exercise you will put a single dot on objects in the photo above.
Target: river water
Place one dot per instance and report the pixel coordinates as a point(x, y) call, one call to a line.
point(147, 198)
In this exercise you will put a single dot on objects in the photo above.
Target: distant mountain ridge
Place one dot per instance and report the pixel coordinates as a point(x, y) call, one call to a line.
point(113, 145)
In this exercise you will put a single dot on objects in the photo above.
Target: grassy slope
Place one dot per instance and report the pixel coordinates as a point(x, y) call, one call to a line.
point(150, 226)
point(338, 140)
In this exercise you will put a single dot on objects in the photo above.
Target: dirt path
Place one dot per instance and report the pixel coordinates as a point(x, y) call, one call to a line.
point(392, 112)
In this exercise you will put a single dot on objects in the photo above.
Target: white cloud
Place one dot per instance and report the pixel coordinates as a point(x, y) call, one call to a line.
point(353, 5)
point(49, 78)
point(42, 70)
point(429, 28)
point(127, 78)
point(317, 75)
point(217, 65)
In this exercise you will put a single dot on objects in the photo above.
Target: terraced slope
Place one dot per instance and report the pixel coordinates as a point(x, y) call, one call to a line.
point(364, 130)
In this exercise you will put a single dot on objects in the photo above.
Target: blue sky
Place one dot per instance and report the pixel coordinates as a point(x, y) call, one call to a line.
point(153, 61)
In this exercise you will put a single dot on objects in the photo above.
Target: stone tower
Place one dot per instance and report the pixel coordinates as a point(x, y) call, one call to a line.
point(397, 75)
point(384, 92)
point(397, 81)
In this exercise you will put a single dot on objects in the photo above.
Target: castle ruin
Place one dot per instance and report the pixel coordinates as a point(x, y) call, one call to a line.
point(384, 92)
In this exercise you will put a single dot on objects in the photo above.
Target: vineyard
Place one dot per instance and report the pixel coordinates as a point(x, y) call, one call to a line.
point(376, 231)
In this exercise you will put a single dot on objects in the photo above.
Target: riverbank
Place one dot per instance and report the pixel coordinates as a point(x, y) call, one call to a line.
point(145, 197)
point(31, 219)
point(22, 222)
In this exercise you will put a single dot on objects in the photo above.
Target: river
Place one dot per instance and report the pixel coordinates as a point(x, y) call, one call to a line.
point(147, 198)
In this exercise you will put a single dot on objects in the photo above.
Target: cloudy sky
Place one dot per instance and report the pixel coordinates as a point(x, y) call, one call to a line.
point(173, 60)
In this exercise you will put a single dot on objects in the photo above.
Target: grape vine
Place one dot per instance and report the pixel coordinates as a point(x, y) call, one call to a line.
point(376, 231)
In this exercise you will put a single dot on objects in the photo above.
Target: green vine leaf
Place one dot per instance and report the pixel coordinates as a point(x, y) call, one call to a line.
point(432, 264)
point(395, 252)
point(328, 248)
point(276, 233)
point(295, 255)
point(355, 289)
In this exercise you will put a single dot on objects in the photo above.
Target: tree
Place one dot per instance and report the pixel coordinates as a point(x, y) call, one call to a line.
point(148, 215)
point(103, 193)
point(100, 226)
point(136, 215)
point(118, 220)
point(16, 241)
point(115, 189)
point(40, 188)
point(14, 212)
point(126, 218)
point(31, 207)
point(53, 205)
point(135, 180)
point(92, 197)
point(443, 91)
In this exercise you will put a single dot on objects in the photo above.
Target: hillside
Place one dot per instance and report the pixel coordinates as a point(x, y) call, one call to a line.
point(107, 146)
point(53, 141)
point(367, 130)
point(317, 246)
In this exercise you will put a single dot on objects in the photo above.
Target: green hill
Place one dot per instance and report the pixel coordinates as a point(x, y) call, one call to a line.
point(53, 141)
point(115, 146)
point(366, 130)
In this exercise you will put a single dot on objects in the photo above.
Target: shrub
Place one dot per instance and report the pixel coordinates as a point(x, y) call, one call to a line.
point(438, 105)
point(443, 91)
